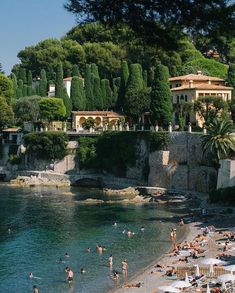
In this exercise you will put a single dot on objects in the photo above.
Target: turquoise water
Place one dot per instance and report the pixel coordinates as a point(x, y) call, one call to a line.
point(47, 222)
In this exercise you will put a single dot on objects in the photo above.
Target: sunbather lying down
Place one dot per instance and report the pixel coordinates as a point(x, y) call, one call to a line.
point(137, 285)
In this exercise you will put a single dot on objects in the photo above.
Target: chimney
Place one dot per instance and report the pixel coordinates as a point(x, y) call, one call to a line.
point(199, 72)
point(209, 81)
point(190, 84)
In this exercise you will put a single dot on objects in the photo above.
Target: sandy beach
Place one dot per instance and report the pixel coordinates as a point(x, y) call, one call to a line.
point(152, 277)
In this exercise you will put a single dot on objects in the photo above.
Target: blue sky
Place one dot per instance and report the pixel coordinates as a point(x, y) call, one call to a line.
point(26, 22)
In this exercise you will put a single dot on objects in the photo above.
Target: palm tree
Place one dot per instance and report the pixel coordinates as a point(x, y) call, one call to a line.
point(219, 140)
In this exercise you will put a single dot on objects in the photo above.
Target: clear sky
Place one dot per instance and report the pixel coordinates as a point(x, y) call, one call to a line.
point(26, 22)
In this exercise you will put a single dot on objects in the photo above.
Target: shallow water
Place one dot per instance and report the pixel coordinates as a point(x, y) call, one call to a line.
point(47, 222)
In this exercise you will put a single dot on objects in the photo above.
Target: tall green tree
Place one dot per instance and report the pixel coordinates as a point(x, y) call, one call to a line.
point(98, 101)
point(184, 109)
point(75, 70)
point(219, 141)
point(43, 84)
point(20, 88)
point(161, 99)
point(27, 109)
point(29, 78)
point(107, 94)
point(77, 94)
point(59, 85)
point(52, 109)
point(124, 79)
point(231, 76)
point(14, 83)
point(22, 75)
point(89, 88)
point(6, 113)
point(6, 88)
point(134, 86)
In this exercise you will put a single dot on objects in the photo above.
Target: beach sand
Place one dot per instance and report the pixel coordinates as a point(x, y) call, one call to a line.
point(151, 281)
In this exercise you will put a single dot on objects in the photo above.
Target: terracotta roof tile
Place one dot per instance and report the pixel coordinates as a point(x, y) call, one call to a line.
point(195, 77)
point(97, 113)
point(202, 86)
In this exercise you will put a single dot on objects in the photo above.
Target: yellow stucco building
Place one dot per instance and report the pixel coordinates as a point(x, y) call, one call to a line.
point(101, 118)
point(190, 87)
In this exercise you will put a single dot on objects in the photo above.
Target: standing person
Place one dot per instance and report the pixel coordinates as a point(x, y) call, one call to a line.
point(110, 261)
point(69, 275)
point(35, 289)
point(174, 236)
point(124, 268)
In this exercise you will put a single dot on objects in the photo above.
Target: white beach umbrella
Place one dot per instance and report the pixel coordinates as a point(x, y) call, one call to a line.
point(197, 271)
point(208, 289)
point(169, 289)
point(230, 268)
point(186, 278)
point(181, 284)
point(211, 261)
point(226, 278)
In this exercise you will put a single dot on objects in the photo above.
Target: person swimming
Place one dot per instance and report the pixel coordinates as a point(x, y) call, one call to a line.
point(115, 224)
point(142, 229)
point(31, 276)
point(69, 274)
point(88, 249)
point(110, 261)
point(35, 289)
point(66, 254)
point(82, 271)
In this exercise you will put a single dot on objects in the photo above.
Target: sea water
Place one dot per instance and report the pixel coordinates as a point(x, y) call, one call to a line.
point(47, 222)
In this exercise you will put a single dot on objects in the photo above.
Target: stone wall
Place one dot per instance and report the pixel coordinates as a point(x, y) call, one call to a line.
point(226, 174)
point(183, 166)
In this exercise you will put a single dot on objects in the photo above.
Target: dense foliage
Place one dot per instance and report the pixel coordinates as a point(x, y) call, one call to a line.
point(6, 113)
point(223, 194)
point(47, 145)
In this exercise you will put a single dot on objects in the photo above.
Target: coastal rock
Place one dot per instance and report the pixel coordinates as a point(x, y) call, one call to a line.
point(126, 191)
point(31, 181)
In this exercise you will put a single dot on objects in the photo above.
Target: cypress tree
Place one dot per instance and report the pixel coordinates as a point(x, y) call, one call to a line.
point(14, 82)
point(161, 99)
point(116, 89)
point(43, 84)
point(107, 102)
point(22, 75)
point(88, 87)
point(67, 102)
point(135, 80)
point(51, 74)
point(145, 78)
point(124, 79)
point(231, 75)
point(29, 78)
point(25, 90)
point(94, 70)
point(59, 85)
point(29, 90)
point(103, 93)
point(75, 71)
point(98, 101)
point(20, 88)
point(77, 94)
point(151, 76)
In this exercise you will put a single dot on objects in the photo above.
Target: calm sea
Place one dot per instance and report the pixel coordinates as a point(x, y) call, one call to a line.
point(47, 222)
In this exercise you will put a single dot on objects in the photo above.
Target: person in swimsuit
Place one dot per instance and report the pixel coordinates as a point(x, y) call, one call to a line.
point(110, 261)
point(124, 268)
point(35, 289)
point(69, 275)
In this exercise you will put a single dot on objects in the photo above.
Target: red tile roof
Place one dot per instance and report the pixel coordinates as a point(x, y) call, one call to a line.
point(202, 86)
point(195, 77)
point(97, 113)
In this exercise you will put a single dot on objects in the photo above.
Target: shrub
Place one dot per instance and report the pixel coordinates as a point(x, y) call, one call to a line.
point(223, 195)
point(49, 145)
point(87, 152)
point(158, 141)
point(14, 160)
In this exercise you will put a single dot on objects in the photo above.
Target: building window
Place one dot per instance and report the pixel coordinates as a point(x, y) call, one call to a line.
point(178, 99)
point(186, 98)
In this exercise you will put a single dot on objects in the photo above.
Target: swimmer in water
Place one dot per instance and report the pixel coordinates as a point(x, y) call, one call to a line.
point(35, 289)
point(142, 229)
point(66, 254)
point(115, 225)
point(88, 249)
point(69, 275)
point(82, 271)
point(99, 248)
point(124, 231)
point(30, 275)
point(110, 261)
point(115, 276)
